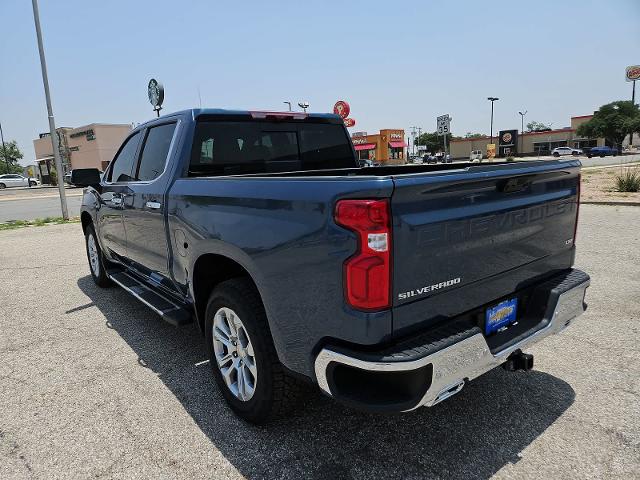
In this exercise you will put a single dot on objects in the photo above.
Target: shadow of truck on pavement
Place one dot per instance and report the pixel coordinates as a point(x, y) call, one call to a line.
point(472, 435)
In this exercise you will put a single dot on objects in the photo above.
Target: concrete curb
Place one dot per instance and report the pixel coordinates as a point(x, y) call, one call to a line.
point(613, 203)
point(621, 165)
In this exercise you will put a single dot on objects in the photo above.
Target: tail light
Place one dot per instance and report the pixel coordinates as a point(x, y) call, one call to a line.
point(368, 272)
point(575, 227)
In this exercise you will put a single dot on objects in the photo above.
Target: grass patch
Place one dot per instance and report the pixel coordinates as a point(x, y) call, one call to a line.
point(38, 222)
point(629, 181)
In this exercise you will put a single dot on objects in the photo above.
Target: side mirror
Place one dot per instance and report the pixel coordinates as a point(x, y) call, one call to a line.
point(85, 177)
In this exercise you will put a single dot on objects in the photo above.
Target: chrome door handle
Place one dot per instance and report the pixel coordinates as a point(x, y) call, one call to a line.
point(153, 205)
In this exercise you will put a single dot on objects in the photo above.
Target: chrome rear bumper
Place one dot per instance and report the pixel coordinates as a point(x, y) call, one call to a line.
point(465, 360)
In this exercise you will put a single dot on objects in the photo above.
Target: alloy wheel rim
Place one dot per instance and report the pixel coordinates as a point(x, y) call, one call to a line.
point(234, 354)
point(94, 260)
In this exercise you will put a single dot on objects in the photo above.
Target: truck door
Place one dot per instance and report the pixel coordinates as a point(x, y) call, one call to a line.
point(114, 197)
point(144, 216)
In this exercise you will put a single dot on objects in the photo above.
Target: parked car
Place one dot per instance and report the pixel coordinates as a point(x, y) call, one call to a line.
point(475, 156)
point(602, 151)
point(16, 180)
point(365, 163)
point(556, 152)
point(68, 178)
point(280, 248)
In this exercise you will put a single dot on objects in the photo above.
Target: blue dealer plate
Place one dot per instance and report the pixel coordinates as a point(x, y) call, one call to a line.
point(500, 316)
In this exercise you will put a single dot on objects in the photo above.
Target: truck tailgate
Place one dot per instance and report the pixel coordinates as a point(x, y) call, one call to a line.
point(463, 238)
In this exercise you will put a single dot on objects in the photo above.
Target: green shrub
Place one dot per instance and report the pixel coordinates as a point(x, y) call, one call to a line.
point(509, 159)
point(629, 181)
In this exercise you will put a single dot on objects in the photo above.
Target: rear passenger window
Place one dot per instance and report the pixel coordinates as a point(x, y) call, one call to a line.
point(155, 151)
point(122, 166)
point(234, 148)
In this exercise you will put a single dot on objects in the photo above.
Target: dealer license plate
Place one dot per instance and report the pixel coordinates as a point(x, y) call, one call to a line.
point(500, 316)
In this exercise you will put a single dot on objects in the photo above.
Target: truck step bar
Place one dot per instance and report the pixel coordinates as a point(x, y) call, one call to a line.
point(169, 311)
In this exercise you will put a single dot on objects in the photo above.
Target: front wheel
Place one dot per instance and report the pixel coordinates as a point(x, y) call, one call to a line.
point(242, 355)
point(32, 184)
point(2, 185)
point(96, 259)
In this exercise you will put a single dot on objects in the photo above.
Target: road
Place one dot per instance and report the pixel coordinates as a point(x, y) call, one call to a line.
point(32, 203)
point(94, 384)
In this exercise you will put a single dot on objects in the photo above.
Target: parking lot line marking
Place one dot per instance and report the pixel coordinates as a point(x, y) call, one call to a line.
point(201, 363)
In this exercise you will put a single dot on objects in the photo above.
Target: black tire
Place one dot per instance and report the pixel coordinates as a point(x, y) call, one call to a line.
point(589, 155)
point(2, 185)
point(32, 184)
point(602, 155)
point(100, 277)
point(556, 154)
point(275, 390)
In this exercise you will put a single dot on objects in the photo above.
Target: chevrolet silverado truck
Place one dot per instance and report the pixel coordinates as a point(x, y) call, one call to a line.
point(388, 288)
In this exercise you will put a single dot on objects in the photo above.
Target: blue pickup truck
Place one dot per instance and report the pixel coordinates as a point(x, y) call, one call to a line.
point(387, 287)
point(602, 151)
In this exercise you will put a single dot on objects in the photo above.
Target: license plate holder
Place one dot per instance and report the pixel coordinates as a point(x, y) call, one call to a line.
point(500, 316)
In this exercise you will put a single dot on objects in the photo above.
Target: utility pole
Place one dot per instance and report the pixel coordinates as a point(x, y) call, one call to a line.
point(52, 123)
point(288, 103)
point(522, 114)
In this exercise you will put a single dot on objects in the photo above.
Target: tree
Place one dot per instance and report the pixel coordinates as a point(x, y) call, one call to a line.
point(9, 156)
point(474, 135)
point(432, 141)
point(612, 122)
point(632, 125)
point(534, 126)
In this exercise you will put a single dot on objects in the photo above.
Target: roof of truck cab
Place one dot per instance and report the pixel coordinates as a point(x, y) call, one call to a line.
point(196, 112)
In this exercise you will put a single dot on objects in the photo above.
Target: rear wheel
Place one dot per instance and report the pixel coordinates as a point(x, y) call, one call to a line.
point(96, 259)
point(556, 154)
point(2, 185)
point(242, 355)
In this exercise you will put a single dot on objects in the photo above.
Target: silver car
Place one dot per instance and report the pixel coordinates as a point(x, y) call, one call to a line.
point(566, 151)
point(16, 180)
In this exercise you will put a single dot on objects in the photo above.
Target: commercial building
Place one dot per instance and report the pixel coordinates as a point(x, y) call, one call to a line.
point(89, 146)
point(510, 142)
point(386, 147)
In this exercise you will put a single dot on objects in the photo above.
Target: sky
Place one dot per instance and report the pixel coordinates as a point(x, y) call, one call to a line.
point(398, 64)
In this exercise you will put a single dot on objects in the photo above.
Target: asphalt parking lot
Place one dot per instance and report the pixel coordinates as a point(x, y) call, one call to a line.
point(94, 384)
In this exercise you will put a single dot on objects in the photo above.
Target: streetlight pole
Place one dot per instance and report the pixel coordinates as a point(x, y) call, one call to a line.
point(52, 123)
point(492, 99)
point(288, 103)
point(522, 114)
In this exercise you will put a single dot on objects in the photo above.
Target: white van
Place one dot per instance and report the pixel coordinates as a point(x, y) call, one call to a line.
point(476, 156)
